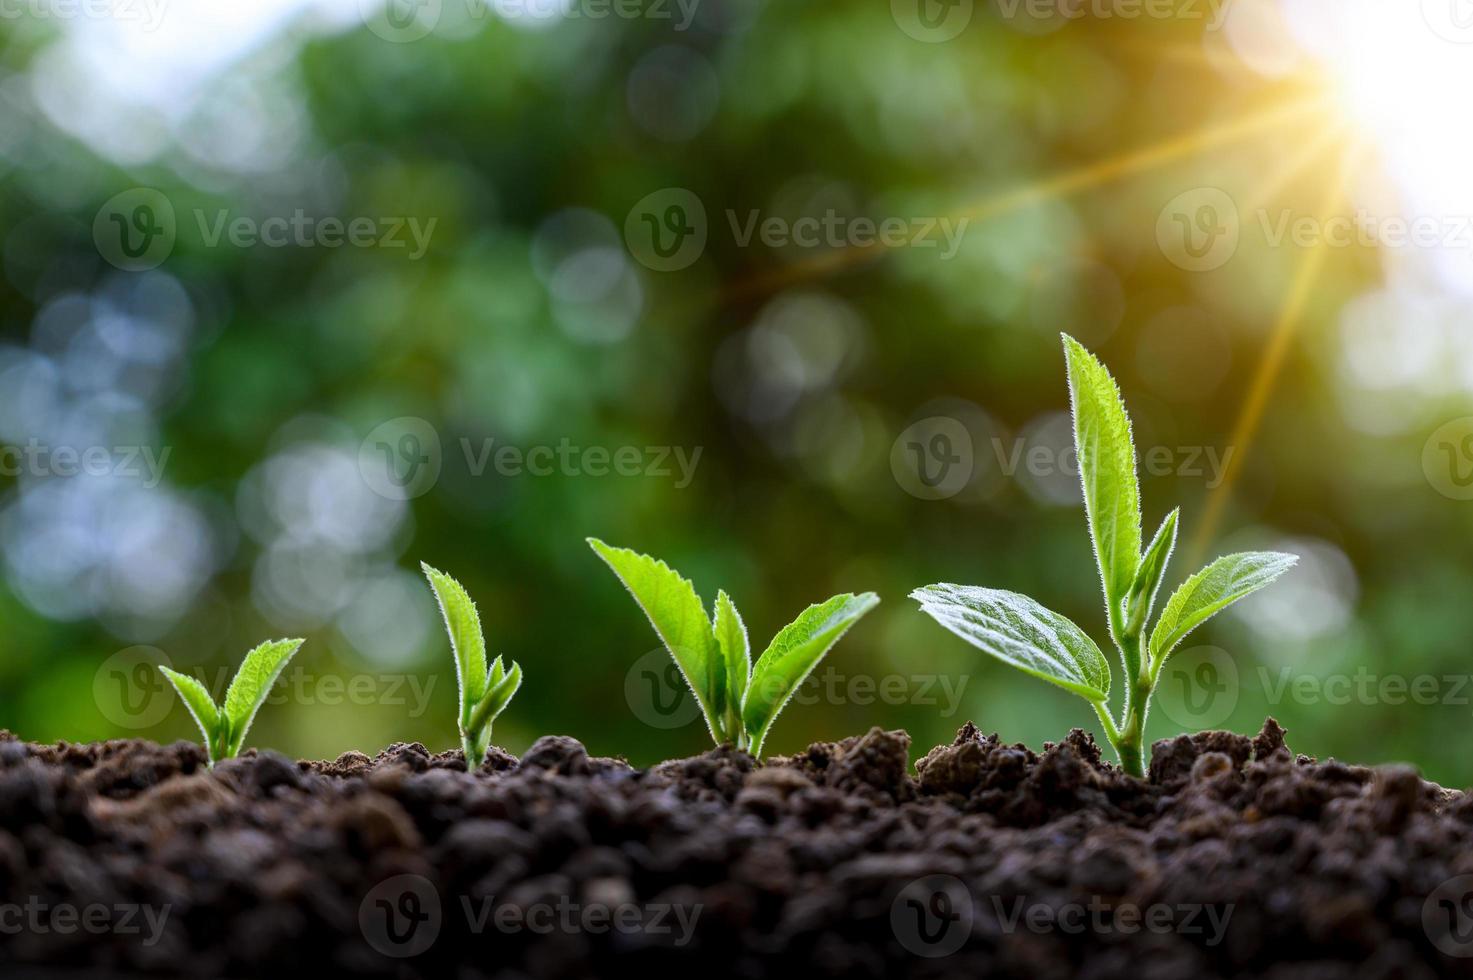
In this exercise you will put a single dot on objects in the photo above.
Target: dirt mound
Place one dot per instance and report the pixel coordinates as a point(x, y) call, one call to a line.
point(1233, 859)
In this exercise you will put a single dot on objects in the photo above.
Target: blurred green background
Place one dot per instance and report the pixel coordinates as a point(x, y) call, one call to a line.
point(1157, 186)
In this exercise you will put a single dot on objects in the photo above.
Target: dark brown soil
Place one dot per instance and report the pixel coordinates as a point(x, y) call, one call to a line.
point(1233, 859)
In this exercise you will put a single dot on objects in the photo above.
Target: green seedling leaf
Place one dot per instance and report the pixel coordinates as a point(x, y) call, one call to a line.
point(201, 707)
point(1107, 474)
point(252, 684)
point(499, 695)
point(1018, 631)
point(1148, 577)
point(484, 691)
point(735, 662)
point(1212, 590)
point(792, 655)
point(679, 618)
point(467, 643)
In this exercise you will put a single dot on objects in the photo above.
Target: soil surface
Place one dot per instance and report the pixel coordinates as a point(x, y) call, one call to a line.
point(1233, 859)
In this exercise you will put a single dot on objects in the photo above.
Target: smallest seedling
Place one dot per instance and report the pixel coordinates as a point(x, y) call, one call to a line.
point(484, 693)
point(225, 727)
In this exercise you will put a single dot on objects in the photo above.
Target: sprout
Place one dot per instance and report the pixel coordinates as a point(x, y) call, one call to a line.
point(1018, 631)
point(225, 727)
point(484, 693)
point(740, 701)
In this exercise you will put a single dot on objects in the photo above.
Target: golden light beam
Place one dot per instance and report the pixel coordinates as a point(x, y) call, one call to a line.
point(1250, 416)
point(1061, 185)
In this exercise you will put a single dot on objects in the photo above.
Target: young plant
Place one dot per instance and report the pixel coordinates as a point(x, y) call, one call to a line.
point(225, 726)
point(484, 693)
point(739, 700)
point(1018, 631)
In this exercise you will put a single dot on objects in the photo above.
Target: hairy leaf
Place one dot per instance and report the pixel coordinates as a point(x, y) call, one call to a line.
point(1148, 578)
point(734, 662)
point(793, 653)
point(252, 684)
point(201, 706)
point(1112, 499)
point(1018, 631)
point(1212, 590)
point(497, 698)
point(467, 643)
point(679, 618)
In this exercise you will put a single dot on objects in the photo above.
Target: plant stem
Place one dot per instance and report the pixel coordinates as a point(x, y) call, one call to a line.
point(1129, 740)
point(473, 756)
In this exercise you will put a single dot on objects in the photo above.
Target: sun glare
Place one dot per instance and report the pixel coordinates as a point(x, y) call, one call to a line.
point(1401, 73)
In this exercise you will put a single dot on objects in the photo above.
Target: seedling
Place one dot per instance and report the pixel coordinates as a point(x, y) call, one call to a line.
point(225, 727)
point(484, 693)
point(740, 701)
point(1018, 631)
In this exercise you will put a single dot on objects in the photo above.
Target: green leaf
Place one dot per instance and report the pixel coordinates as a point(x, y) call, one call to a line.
point(467, 644)
point(679, 618)
point(1212, 590)
point(252, 684)
point(792, 655)
point(201, 706)
point(734, 661)
point(1148, 578)
point(1018, 631)
point(1112, 498)
point(497, 698)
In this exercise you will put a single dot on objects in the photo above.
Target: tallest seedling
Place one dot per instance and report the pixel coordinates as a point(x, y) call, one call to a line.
point(1015, 629)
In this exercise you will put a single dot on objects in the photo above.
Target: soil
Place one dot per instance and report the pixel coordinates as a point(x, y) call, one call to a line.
point(1234, 858)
